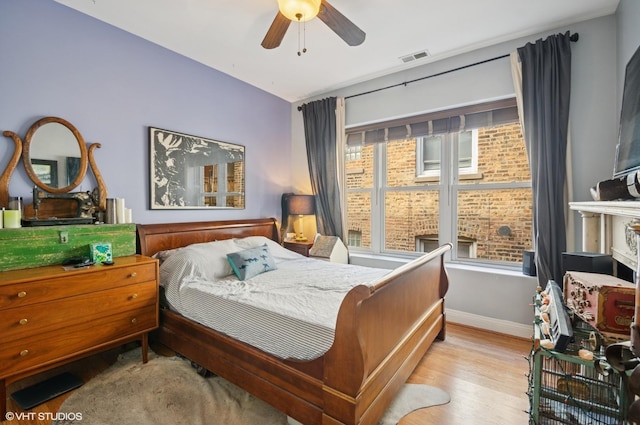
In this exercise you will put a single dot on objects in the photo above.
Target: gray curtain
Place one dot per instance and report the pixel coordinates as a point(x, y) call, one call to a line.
point(546, 84)
point(320, 135)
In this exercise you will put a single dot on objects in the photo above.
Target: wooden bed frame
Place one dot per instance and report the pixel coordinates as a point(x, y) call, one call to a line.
point(381, 335)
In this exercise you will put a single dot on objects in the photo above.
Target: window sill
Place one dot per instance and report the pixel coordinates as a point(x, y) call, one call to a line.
point(392, 262)
point(380, 261)
point(495, 270)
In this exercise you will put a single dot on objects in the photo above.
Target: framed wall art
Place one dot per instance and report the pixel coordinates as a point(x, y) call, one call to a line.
point(46, 170)
point(192, 172)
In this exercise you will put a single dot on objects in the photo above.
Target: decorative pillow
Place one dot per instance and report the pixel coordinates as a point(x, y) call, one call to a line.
point(251, 262)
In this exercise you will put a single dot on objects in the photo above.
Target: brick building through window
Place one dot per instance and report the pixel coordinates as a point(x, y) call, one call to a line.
point(400, 202)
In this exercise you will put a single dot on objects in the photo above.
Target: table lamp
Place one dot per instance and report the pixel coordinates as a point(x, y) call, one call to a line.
point(301, 205)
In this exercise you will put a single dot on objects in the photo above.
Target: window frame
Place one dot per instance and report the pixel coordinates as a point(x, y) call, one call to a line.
point(447, 184)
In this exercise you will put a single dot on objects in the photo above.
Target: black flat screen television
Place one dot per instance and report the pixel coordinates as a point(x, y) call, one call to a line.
point(628, 149)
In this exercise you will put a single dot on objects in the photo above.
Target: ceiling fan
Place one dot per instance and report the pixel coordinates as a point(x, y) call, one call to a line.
point(304, 10)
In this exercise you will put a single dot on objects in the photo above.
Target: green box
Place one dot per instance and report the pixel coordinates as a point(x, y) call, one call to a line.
point(28, 247)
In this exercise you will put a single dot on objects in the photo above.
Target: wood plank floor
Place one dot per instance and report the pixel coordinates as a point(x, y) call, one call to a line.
point(483, 372)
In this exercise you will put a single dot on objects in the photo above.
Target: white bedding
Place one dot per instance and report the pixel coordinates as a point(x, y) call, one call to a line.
point(289, 312)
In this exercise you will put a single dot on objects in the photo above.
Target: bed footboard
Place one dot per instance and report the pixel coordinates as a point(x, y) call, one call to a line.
point(382, 332)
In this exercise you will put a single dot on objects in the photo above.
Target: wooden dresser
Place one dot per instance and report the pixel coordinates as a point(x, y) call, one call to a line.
point(50, 316)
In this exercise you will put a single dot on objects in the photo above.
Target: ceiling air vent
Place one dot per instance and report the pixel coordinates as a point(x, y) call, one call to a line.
point(415, 56)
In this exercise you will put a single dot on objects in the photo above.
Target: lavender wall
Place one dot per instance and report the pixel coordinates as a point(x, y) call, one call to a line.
point(112, 86)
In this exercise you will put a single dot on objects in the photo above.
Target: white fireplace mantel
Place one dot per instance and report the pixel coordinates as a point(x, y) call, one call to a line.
point(606, 229)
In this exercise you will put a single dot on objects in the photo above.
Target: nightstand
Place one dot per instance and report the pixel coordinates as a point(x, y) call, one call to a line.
point(301, 247)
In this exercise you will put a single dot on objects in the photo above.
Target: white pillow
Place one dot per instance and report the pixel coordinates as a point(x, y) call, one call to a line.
point(278, 252)
point(178, 269)
point(163, 255)
point(206, 260)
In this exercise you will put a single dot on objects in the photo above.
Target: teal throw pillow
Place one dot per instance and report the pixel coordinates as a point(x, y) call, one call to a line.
point(251, 262)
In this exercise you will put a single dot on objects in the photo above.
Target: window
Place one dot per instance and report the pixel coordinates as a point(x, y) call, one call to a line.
point(429, 154)
point(354, 238)
point(466, 247)
point(427, 243)
point(353, 152)
point(467, 186)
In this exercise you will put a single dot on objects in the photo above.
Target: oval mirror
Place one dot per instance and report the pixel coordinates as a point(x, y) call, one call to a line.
point(54, 155)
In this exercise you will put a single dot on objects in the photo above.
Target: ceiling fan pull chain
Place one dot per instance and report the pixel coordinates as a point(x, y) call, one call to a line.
point(304, 35)
point(299, 52)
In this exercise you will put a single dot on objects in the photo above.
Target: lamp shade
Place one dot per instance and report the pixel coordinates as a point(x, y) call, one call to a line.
point(299, 10)
point(301, 204)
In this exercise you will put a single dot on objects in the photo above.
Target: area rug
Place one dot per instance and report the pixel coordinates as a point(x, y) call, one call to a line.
point(168, 390)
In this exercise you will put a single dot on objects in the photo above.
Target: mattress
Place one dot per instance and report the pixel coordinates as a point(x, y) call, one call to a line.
point(289, 312)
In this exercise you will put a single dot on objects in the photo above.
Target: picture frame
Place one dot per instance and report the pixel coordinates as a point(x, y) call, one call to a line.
point(46, 170)
point(193, 172)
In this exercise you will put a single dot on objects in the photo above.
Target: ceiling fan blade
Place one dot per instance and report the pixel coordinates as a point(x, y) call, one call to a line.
point(341, 25)
point(276, 32)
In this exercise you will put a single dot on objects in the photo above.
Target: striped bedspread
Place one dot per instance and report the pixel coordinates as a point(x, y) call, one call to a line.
point(289, 312)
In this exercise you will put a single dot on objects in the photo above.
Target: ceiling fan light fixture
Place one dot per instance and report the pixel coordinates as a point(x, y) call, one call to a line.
point(299, 10)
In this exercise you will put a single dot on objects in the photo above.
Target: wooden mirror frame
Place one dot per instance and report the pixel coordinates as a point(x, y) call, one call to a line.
point(22, 149)
point(26, 155)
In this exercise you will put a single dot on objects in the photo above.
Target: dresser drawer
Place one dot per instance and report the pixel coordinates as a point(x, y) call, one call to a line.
point(34, 319)
point(20, 355)
point(95, 279)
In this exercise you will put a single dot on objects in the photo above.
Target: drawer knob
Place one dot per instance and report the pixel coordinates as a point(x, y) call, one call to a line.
point(134, 296)
point(133, 274)
point(22, 294)
point(24, 353)
point(23, 321)
point(134, 320)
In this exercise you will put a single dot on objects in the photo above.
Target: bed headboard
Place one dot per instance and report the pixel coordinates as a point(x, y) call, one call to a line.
point(153, 238)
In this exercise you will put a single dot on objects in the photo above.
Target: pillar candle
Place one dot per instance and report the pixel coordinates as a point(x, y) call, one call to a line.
point(120, 210)
point(128, 215)
point(12, 219)
point(110, 216)
point(15, 203)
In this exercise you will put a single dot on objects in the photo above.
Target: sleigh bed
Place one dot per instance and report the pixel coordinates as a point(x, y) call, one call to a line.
point(382, 331)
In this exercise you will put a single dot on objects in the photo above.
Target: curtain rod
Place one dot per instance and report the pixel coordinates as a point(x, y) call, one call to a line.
point(574, 37)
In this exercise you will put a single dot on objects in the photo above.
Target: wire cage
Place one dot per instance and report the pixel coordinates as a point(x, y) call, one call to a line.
point(568, 392)
point(566, 389)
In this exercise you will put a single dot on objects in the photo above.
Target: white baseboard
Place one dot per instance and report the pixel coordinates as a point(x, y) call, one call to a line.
point(489, 323)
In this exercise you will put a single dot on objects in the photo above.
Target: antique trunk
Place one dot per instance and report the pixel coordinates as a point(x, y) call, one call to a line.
point(605, 302)
point(28, 247)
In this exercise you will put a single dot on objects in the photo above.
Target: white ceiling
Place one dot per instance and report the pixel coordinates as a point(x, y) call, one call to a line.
point(226, 34)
